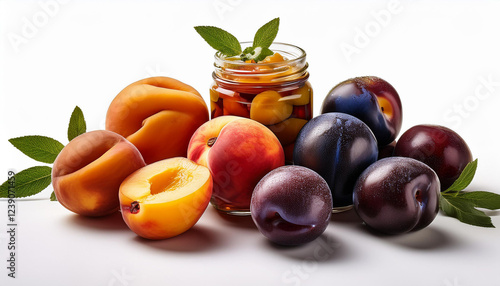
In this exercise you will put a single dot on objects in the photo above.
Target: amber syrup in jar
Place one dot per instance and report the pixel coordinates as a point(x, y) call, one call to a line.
point(275, 92)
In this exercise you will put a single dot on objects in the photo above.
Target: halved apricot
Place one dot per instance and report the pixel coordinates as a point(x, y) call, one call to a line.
point(276, 57)
point(287, 130)
point(268, 108)
point(166, 198)
point(237, 107)
point(300, 96)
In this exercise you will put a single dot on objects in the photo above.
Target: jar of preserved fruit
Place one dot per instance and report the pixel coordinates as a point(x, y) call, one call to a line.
point(275, 91)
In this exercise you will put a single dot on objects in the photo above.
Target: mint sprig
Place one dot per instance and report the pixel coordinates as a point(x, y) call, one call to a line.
point(43, 149)
point(228, 45)
point(457, 203)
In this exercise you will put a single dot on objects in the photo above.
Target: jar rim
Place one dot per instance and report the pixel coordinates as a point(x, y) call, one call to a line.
point(299, 55)
point(294, 66)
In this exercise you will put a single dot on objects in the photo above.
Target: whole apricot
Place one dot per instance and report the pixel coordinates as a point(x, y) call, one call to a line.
point(158, 115)
point(87, 173)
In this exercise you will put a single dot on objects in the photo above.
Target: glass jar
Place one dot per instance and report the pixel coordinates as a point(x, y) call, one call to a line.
point(275, 92)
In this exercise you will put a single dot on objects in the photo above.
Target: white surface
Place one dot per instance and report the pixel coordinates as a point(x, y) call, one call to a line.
point(437, 54)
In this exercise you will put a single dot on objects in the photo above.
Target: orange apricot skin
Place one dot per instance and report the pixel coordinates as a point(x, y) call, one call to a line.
point(87, 173)
point(158, 115)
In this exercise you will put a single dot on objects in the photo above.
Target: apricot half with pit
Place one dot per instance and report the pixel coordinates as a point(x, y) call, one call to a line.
point(166, 198)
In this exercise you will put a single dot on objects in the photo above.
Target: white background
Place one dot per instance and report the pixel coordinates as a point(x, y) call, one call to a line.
point(441, 56)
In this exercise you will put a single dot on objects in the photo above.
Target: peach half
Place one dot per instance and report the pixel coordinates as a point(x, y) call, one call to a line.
point(166, 198)
point(239, 152)
point(87, 173)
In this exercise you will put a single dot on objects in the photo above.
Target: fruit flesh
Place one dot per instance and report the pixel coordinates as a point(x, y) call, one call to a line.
point(267, 108)
point(165, 198)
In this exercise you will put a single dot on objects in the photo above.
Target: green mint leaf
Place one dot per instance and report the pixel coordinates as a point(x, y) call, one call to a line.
point(266, 34)
point(41, 148)
point(255, 53)
point(464, 179)
point(264, 52)
point(247, 54)
point(77, 125)
point(481, 199)
point(220, 40)
point(53, 197)
point(27, 182)
point(463, 210)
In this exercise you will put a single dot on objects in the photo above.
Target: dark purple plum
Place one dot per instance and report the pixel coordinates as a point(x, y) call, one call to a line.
point(291, 205)
point(439, 147)
point(397, 195)
point(371, 99)
point(338, 147)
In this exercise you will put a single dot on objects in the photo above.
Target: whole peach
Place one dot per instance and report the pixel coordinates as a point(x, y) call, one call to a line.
point(239, 152)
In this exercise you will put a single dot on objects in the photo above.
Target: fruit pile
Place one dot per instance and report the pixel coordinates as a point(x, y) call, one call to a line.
point(393, 187)
point(161, 161)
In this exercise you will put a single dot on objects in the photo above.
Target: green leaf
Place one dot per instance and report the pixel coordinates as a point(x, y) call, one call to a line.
point(41, 148)
point(53, 197)
point(255, 53)
point(77, 125)
point(481, 199)
point(463, 210)
point(464, 179)
point(27, 182)
point(220, 40)
point(263, 54)
point(266, 34)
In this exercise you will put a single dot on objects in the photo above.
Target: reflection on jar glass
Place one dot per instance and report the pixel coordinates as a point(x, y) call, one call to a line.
point(275, 92)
